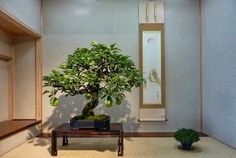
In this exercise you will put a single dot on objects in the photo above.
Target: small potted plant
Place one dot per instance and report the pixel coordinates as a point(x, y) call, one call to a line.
point(100, 73)
point(186, 137)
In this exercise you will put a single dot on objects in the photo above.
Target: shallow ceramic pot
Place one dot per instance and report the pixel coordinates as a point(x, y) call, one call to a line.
point(76, 123)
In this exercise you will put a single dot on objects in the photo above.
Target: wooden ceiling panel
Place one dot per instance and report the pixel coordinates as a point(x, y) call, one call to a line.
point(9, 28)
point(14, 27)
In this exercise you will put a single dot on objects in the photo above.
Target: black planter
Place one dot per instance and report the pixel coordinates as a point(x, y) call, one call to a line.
point(78, 122)
point(186, 146)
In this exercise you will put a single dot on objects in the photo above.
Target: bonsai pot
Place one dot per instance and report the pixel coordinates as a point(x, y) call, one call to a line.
point(90, 122)
point(186, 146)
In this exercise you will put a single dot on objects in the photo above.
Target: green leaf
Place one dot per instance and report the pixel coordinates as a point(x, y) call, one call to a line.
point(101, 69)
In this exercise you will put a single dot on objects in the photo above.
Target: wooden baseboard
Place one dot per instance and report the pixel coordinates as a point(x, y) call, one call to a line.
point(155, 134)
point(137, 134)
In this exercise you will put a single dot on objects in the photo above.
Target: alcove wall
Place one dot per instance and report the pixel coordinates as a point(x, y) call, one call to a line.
point(68, 25)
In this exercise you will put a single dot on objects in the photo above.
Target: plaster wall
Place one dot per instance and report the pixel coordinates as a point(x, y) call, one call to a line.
point(219, 77)
point(71, 24)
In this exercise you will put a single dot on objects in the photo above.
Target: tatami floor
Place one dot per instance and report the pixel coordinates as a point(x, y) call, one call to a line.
point(134, 148)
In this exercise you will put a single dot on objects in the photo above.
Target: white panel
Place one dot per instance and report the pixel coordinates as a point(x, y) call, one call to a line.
point(3, 90)
point(159, 11)
point(152, 62)
point(152, 114)
point(142, 11)
point(24, 81)
point(27, 11)
point(151, 11)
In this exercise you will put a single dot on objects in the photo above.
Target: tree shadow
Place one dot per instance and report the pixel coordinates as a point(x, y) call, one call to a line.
point(67, 108)
point(97, 144)
point(71, 106)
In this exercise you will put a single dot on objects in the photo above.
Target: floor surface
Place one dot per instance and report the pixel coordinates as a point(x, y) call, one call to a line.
point(134, 148)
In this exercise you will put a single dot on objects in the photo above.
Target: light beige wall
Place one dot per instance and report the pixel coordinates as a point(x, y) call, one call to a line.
point(6, 50)
point(3, 91)
point(15, 140)
point(24, 81)
point(5, 45)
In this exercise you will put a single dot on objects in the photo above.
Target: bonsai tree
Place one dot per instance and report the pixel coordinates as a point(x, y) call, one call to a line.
point(186, 137)
point(101, 72)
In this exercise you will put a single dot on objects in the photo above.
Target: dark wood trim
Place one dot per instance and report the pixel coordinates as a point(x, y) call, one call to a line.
point(10, 127)
point(5, 58)
point(137, 134)
point(23, 119)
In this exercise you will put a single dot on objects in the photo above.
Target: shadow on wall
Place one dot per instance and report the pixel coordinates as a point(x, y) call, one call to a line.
point(71, 106)
point(67, 108)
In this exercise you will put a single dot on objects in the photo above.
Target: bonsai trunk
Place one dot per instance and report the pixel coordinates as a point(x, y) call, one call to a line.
point(88, 119)
point(88, 109)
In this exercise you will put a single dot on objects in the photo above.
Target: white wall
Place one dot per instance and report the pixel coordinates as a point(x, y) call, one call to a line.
point(27, 11)
point(24, 81)
point(219, 52)
point(72, 24)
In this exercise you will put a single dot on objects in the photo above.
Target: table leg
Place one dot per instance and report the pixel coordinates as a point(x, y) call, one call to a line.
point(65, 141)
point(121, 144)
point(54, 144)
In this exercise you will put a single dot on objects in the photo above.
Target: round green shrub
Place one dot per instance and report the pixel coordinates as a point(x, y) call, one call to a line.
point(186, 136)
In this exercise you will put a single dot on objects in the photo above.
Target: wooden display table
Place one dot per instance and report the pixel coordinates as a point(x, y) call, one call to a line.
point(64, 131)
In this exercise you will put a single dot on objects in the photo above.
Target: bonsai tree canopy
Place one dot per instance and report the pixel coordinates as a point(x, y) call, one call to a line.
point(99, 72)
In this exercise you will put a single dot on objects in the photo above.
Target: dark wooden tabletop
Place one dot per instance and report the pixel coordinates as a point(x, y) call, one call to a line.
point(66, 129)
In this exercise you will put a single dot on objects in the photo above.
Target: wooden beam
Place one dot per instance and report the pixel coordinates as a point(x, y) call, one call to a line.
point(10, 90)
point(38, 80)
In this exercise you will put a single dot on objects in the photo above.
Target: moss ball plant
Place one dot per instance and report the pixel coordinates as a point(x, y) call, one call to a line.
point(186, 137)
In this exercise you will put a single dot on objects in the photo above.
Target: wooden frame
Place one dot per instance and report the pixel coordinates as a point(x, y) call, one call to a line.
point(10, 85)
point(152, 27)
point(65, 131)
point(38, 81)
point(16, 31)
